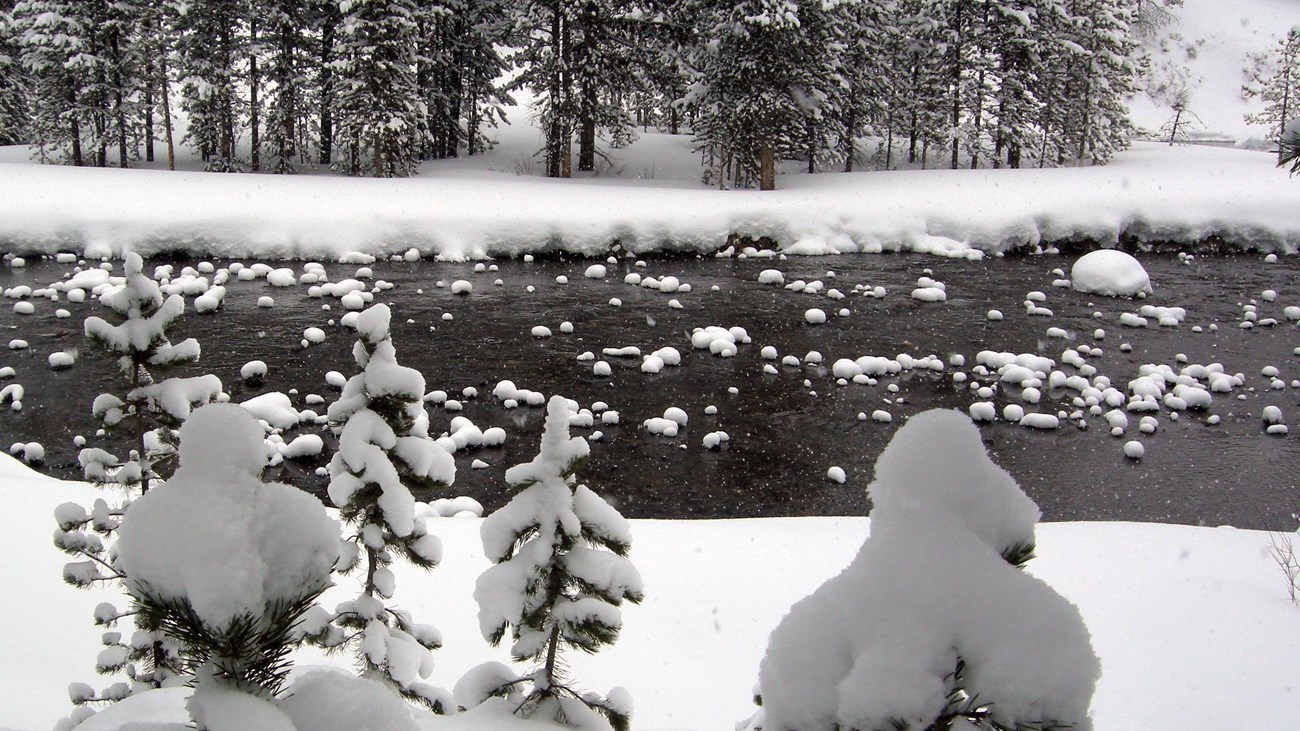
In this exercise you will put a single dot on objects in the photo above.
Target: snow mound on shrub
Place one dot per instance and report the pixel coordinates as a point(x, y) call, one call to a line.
point(216, 536)
point(929, 592)
point(1110, 272)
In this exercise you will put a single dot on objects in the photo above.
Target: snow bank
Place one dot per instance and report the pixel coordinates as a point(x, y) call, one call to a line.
point(1149, 192)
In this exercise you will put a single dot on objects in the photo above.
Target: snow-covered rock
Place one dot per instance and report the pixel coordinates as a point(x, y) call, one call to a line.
point(1110, 272)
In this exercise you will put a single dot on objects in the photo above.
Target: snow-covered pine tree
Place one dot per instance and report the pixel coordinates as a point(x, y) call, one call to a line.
point(13, 85)
point(862, 99)
point(437, 76)
point(209, 44)
point(665, 35)
point(1017, 35)
point(1099, 74)
point(916, 79)
point(1289, 147)
point(83, 58)
point(760, 81)
point(50, 35)
point(482, 64)
point(285, 64)
point(561, 571)
point(151, 410)
point(324, 18)
point(384, 452)
point(879, 646)
point(223, 564)
point(154, 46)
point(608, 64)
point(1273, 77)
point(1149, 16)
point(544, 57)
point(378, 109)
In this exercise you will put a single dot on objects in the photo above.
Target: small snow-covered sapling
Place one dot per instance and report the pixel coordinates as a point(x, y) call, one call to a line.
point(223, 564)
point(384, 451)
point(561, 573)
point(932, 626)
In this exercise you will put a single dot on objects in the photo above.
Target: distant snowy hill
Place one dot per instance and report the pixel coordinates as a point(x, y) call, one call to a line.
point(1208, 45)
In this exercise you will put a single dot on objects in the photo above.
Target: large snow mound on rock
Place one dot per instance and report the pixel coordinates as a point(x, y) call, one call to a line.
point(1110, 272)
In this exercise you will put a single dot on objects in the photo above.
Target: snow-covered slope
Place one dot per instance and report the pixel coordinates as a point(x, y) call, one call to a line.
point(1208, 44)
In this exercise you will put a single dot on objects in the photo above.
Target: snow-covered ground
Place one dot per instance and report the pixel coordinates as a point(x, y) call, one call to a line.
point(1192, 625)
point(1208, 47)
point(1158, 192)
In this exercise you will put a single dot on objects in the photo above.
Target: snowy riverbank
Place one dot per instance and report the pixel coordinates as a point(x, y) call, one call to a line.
point(1154, 192)
point(1192, 625)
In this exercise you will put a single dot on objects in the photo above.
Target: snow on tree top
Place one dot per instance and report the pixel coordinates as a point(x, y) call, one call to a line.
point(217, 537)
point(558, 450)
point(936, 465)
point(931, 620)
point(373, 323)
point(218, 444)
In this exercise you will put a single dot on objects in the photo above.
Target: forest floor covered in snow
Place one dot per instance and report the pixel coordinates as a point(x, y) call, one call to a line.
point(1193, 626)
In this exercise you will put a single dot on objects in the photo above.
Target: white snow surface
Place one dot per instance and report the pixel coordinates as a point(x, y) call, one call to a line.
point(1206, 606)
point(1147, 191)
point(218, 537)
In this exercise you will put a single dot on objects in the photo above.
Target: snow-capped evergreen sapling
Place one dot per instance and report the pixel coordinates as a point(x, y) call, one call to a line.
point(384, 451)
point(224, 564)
point(560, 577)
point(151, 410)
point(933, 626)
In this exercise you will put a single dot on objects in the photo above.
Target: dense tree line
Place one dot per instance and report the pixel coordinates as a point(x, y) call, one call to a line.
point(373, 85)
point(377, 86)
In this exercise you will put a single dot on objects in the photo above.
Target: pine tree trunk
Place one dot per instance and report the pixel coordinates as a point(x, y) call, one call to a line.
point(850, 133)
point(554, 146)
point(766, 167)
point(1286, 112)
point(326, 91)
point(812, 147)
point(254, 84)
point(167, 114)
point(456, 84)
point(148, 118)
point(101, 134)
point(141, 428)
point(956, 85)
point(587, 132)
point(472, 124)
point(78, 159)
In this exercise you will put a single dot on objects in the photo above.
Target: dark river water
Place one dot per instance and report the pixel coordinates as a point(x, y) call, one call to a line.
point(786, 429)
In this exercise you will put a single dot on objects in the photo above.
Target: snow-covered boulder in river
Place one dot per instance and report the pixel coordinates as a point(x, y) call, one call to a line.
point(1110, 272)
